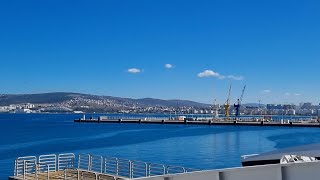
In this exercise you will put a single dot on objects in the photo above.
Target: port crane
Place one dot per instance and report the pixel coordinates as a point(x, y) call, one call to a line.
point(227, 104)
point(215, 109)
point(238, 105)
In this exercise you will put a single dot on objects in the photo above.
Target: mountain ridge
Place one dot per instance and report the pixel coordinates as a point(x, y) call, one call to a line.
point(61, 97)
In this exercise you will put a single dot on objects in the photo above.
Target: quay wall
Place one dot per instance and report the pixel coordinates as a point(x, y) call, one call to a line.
point(203, 122)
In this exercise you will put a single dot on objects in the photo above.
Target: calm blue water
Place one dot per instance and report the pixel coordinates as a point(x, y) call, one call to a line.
point(200, 147)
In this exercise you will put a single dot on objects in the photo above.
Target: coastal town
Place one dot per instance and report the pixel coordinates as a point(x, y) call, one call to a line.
point(102, 104)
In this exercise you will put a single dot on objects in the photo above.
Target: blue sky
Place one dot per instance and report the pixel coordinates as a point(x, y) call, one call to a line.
point(272, 46)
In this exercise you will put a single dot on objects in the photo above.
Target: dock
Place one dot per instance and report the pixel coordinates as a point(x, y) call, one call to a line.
point(210, 122)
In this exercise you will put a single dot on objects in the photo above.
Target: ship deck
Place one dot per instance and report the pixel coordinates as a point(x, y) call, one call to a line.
point(70, 175)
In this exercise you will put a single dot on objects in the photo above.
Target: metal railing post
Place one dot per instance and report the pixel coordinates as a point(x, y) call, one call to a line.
point(101, 164)
point(24, 169)
point(36, 170)
point(89, 162)
point(146, 169)
point(130, 169)
point(48, 173)
point(15, 168)
point(105, 165)
point(117, 167)
point(65, 174)
point(79, 161)
point(72, 161)
point(149, 170)
point(78, 174)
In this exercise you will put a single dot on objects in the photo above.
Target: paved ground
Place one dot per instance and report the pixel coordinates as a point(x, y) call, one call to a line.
point(70, 175)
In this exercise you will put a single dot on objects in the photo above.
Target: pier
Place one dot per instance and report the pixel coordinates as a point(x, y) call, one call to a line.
point(202, 121)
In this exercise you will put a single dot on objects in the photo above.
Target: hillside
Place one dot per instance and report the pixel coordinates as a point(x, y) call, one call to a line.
point(44, 98)
point(65, 97)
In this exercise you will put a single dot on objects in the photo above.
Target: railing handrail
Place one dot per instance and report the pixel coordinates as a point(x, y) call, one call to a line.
point(36, 172)
point(177, 168)
point(63, 161)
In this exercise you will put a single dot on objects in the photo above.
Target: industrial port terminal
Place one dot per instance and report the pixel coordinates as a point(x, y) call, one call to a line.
point(204, 121)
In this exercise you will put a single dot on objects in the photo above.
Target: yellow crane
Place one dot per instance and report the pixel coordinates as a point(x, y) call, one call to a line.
point(227, 104)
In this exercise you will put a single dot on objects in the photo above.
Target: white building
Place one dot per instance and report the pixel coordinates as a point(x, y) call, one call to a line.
point(28, 106)
point(3, 109)
point(291, 112)
point(305, 112)
point(23, 110)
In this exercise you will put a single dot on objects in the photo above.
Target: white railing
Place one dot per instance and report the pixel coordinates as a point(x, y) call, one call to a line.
point(49, 160)
point(293, 171)
point(20, 168)
point(34, 171)
point(65, 161)
point(84, 161)
point(176, 170)
point(156, 169)
point(96, 163)
point(139, 169)
point(31, 167)
point(89, 166)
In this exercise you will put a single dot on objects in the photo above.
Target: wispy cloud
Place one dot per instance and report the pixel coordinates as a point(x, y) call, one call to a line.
point(237, 78)
point(134, 70)
point(210, 73)
point(292, 94)
point(266, 91)
point(168, 66)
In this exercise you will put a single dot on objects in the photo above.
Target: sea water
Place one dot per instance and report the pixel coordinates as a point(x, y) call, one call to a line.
point(193, 146)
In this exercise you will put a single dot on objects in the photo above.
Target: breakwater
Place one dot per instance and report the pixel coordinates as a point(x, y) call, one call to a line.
point(219, 121)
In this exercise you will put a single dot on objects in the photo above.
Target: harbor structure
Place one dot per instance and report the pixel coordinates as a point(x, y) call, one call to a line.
point(249, 121)
point(215, 110)
point(227, 104)
point(239, 101)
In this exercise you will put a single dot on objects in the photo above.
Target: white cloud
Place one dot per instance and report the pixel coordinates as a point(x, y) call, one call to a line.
point(237, 78)
point(134, 70)
point(210, 73)
point(292, 94)
point(266, 91)
point(168, 66)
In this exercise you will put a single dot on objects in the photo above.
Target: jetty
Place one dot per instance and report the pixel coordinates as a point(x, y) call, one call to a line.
point(202, 121)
